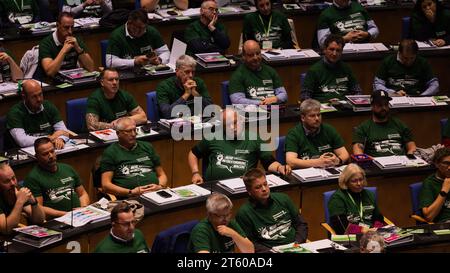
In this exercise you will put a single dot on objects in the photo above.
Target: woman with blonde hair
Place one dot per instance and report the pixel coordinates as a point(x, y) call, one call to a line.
point(352, 208)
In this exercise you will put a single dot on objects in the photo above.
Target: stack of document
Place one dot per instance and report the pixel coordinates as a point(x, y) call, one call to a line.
point(82, 216)
point(426, 45)
point(404, 101)
point(288, 54)
point(86, 22)
point(37, 236)
point(359, 102)
point(365, 47)
point(312, 247)
point(315, 174)
point(173, 195)
point(68, 147)
point(110, 135)
point(236, 185)
point(398, 162)
point(327, 107)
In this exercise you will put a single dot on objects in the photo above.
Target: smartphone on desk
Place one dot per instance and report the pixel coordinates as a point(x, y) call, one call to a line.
point(273, 53)
point(172, 12)
point(411, 156)
point(164, 194)
point(332, 171)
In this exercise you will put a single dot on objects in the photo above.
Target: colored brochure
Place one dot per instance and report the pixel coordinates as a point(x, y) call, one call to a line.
point(37, 236)
point(290, 248)
point(82, 216)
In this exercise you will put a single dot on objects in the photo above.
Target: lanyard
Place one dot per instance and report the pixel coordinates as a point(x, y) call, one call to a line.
point(266, 31)
point(360, 206)
point(17, 5)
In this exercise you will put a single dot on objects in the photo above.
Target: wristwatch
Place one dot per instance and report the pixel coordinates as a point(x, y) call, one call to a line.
point(443, 193)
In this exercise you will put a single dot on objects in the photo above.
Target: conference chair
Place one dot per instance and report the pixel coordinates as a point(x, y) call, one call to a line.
point(326, 198)
point(443, 123)
point(75, 114)
point(96, 178)
point(415, 189)
point(152, 106)
point(225, 95)
point(103, 47)
point(137, 4)
point(280, 153)
point(406, 26)
point(60, 5)
point(174, 239)
point(2, 132)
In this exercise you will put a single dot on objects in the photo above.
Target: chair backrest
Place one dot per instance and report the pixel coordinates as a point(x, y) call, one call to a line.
point(2, 132)
point(152, 106)
point(225, 95)
point(137, 4)
point(179, 34)
point(75, 113)
point(280, 152)
point(443, 123)
point(174, 239)
point(415, 189)
point(406, 25)
point(327, 195)
point(293, 33)
point(60, 5)
point(103, 47)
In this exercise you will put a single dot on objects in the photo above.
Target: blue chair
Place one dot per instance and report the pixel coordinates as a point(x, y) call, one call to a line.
point(225, 95)
point(137, 4)
point(152, 106)
point(75, 113)
point(2, 132)
point(415, 189)
point(103, 47)
point(280, 152)
point(406, 25)
point(302, 81)
point(60, 5)
point(443, 123)
point(174, 239)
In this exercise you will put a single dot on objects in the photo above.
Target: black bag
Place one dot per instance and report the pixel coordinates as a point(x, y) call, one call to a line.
point(115, 18)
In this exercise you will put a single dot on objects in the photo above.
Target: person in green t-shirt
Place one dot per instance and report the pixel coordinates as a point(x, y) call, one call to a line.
point(109, 103)
point(9, 70)
point(232, 153)
point(207, 34)
point(218, 233)
point(14, 202)
point(269, 219)
point(348, 19)
point(313, 144)
point(270, 28)
point(57, 186)
point(382, 135)
point(430, 21)
point(182, 89)
point(87, 8)
point(129, 167)
point(20, 11)
point(434, 199)
point(35, 117)
point(136, 44)
point(254, 82)
point(62, 50)
point(352, 208)
point(406, 73)
point(330, 79)
point(123, 236)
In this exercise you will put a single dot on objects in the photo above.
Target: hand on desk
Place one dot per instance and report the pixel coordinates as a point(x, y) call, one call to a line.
point(438, 42)
point(328, 160)
point(197, 178)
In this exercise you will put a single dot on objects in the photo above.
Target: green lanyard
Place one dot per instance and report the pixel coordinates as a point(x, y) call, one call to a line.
point(360, 206)
point(17, 5)
point(266, 31)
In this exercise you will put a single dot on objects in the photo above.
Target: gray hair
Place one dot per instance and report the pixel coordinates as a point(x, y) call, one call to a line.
point(185, 60)
point(218, 201)
point(205, 2)
point(121, 122)
point(309, 105)
point(348, 173)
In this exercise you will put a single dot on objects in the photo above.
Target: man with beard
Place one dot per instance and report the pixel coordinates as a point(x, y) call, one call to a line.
point(269, 219)
point(130, 167)
point(232, 156)
point(254, 82)
point(218, 233)
point(312, 143)
point(207, 34)
point(382, 135)
point(123, 236)
point(406, 73)
point(270, 28)
point(57, 186)
point(15, 201)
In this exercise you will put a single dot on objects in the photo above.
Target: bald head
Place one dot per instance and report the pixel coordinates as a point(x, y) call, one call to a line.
point(32, 95)
point(233, 125)
point(251, 55)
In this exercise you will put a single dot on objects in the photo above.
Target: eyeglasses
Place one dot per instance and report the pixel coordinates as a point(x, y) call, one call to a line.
point(222, 216)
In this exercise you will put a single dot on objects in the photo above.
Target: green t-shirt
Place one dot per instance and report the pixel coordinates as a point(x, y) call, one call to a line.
point(327, 81)
point(19, 9)
point(5, 68)
point(88, 11)
point(307, 147)
point(272, 225)
point(412, 79)
point(57, 189)
point(341, 204)
point(230, 158)
point(40, 124)
point(255, 84)
point(171, 89)
point(131, 168)
point(197, 30)
point(279, 32)
point(108, 110)
point(126, 47)
point(383, 139)
point(112, 245)
point(422, 29)
point(205, 237)
point(430, 191)
point(341, 21)
point(49, 49)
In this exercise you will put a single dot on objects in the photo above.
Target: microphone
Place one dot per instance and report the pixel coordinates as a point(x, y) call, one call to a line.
point(345, 229)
